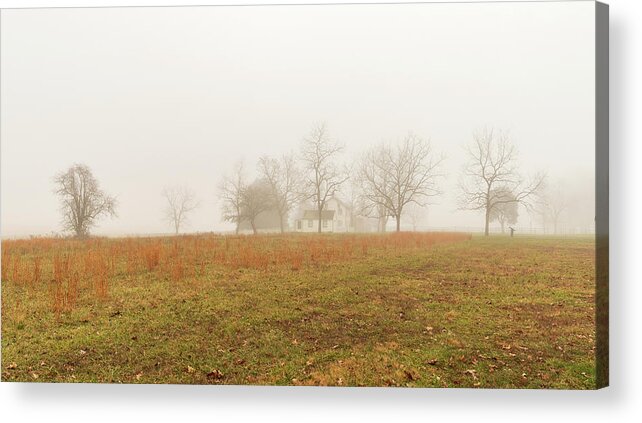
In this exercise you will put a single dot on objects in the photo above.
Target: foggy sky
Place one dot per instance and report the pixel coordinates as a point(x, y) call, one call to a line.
point(153, 97)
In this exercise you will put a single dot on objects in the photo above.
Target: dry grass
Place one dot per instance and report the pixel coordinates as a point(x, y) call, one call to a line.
point(66, 262)
point(440, 310)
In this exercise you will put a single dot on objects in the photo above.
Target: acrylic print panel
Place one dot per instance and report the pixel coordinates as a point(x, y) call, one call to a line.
point(407, 195)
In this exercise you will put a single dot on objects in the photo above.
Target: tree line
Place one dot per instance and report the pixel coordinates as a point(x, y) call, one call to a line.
point(383, 183)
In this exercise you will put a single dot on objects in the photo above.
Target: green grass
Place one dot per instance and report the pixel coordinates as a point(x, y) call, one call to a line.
point(488, 312)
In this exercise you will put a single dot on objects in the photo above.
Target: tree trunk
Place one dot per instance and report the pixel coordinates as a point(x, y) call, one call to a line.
point(81, 233)
point(501, 222)
point(281, 223)
point(398, 222)
point(253, 226)
point(320, 212)
point(238, 223)
point(487, 222)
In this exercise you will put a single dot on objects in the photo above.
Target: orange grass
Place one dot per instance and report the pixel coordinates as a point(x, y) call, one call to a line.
point(64, 284)
point(65, 263)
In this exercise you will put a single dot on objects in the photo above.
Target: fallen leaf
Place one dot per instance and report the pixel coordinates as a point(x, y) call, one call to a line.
point(190, 369)
point(411, 375)
point(12, 365)
point(215, 374)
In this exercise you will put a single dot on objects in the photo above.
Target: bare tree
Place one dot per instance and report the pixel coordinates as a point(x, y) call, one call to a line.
point(180, 202)
point(283, 179)
point(505, 212)
point(493, 164)
point(351, 193)
point(323, 177)
point(255, 199)
point(231, 193)
point(82, 201)
point(375, 187)
point(395, 176)
point(552, 205)
point(382, 216)
point(416, 214)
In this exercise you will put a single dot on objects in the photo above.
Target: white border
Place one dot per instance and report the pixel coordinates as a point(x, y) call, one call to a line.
point(620, 402)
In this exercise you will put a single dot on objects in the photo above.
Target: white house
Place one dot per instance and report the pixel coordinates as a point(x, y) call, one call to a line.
point(335, 217)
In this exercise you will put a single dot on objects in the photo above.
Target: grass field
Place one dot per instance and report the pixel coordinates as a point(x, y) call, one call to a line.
point(409, 309)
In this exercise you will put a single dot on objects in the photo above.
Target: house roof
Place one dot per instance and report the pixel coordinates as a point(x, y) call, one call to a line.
point(314, 214)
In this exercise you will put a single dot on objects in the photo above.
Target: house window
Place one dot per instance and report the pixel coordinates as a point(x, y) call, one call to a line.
point(309, 223)
point(298, 224)
point(325, 223)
